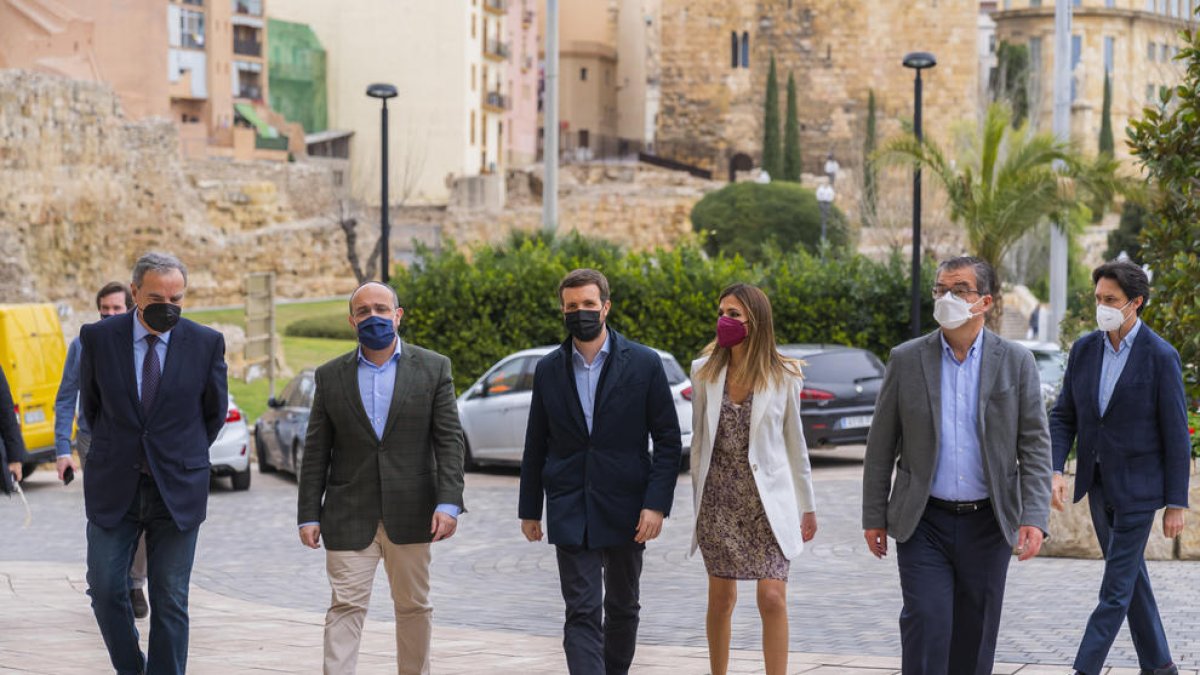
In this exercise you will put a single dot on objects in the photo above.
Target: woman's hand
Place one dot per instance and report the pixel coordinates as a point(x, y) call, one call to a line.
point(808, 526)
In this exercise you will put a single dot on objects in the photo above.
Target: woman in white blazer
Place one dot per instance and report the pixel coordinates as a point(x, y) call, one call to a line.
point(751, 479)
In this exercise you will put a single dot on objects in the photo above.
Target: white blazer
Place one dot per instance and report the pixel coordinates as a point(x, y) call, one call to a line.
point(778, 453)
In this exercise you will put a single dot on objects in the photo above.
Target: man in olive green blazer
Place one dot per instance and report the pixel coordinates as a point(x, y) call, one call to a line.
point(382, 478)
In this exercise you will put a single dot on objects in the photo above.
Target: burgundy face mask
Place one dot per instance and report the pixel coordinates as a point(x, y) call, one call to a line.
point(730, 332)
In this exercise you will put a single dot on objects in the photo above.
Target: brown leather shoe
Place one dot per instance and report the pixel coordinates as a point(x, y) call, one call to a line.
point(141, 609)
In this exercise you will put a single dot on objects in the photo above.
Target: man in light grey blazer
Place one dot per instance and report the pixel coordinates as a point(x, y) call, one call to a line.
point(961, 424)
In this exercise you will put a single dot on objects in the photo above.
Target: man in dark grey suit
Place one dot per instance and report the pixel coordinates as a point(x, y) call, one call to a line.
point(382, 477)
point(960, 422)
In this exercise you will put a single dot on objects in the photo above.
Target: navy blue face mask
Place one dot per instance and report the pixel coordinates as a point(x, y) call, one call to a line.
point(376, 332)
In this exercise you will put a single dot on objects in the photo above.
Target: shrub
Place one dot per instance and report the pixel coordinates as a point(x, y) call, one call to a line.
point(332, 326)
point(478, 307)
point(748, 219)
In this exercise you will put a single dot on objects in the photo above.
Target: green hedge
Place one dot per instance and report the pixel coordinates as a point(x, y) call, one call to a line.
point(751, 219)
point(331, 326)
point(479, 306)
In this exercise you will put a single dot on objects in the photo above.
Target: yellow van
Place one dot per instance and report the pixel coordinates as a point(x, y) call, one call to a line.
point(32, 353)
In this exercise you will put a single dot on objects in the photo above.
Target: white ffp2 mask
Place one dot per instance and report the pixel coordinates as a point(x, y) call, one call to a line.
point(952, 311)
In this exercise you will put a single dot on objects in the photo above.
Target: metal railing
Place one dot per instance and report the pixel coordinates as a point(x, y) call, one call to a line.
point(496, 5)
point(494, 47)
point(495, 99)
point(247, 47)
point(248, 7)
point(251, 92)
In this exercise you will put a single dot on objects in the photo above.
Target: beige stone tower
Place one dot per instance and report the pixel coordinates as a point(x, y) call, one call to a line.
point(715, 56)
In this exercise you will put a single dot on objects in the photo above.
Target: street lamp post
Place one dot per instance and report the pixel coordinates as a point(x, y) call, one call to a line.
point(918, 61)
point(383, 92)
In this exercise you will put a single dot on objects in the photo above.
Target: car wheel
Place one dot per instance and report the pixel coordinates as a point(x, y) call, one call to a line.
point(241, 480)
point(469, 463)
point(27, 469)
point(260, 451)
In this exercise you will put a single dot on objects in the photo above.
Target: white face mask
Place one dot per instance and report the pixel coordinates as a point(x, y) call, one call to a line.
point(1110, 319)
point(952, 311)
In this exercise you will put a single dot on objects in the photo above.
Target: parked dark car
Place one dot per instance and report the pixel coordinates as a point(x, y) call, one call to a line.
point(279, 432)
point(840, 387)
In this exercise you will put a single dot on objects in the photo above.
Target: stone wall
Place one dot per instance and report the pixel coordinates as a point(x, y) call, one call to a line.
point(838, 50)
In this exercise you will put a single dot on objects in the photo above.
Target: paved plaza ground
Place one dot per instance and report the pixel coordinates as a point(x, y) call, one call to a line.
point(258, 596)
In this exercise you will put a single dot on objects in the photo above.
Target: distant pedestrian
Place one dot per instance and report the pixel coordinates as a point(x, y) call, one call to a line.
point(961, 424)
point(12, 445)
point(382, 478)
point(111, 300)
point(598, 402)
point(752, 483)
point(1123, 408)
point(152, 387)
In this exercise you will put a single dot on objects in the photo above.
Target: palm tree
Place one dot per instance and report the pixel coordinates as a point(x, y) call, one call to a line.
point(1005, 182)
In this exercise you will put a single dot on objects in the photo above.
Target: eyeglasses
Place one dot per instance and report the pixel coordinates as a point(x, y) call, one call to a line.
point(961, 292)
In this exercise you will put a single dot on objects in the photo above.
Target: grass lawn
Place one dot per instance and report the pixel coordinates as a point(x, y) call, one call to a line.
point(299, 352)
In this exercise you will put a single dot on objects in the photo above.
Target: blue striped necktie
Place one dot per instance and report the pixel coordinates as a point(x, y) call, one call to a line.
point(151, 373)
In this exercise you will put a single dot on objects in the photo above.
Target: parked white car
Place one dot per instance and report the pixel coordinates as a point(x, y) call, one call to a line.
point(495, 410)
point(229, 454)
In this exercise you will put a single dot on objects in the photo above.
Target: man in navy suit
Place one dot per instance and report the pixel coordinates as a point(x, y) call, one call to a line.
point(1123, 405)
point(152, 389)
point(597, 401)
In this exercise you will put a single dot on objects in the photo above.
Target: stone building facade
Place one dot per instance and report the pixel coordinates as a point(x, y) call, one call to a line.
point(715, 56)
point(1134, 41)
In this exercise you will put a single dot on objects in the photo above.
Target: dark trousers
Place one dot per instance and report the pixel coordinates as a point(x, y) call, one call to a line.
point(600, 588)
point(169, 555)
point(952, 574)
point(1125, 590)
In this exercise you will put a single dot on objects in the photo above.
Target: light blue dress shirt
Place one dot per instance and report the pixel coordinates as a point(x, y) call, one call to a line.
point(139, 351)
point(1114, 364)
point(959, 475)
point(587, 377)
point(376, 384)
point(66, 403)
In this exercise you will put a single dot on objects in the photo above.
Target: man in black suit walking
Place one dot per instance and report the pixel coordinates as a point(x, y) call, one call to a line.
point(152, 390)
point(596, 402)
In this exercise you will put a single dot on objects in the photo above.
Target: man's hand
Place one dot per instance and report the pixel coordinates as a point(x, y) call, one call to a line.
point(1173, 521)
point(15, 469)
point(1058, 492)
point(442, 526)
point(63, 462)
point(532, 529)
point(1029, 542)
point(808, 526)
point(649, 525)
point(876, 541)
point(310, 536)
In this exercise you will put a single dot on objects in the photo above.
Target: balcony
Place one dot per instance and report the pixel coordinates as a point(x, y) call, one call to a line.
point(248, 7)
point(494, 101)
point(247, 47)
point(250, 91)
point(495, 49)
point(495, 6)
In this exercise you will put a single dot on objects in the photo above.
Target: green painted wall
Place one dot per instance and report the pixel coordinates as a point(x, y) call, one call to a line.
point(297, 74)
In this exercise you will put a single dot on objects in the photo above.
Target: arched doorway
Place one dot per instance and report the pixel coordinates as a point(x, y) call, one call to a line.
point(739, 162)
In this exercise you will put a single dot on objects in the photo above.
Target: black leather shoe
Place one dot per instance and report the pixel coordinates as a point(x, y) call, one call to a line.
point(140, 608)
point(1170, 669)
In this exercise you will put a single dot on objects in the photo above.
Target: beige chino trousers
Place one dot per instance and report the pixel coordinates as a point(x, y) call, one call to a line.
point(351, 575)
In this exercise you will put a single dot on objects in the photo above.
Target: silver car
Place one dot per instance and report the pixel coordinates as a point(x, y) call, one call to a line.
point(229, 453)
point(1051, 364)
point(495, 409)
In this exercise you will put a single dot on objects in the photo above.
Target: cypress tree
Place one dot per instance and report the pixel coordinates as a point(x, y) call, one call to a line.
point(792, 164)
point(869, 172)
point(772, 159)
point(1106, 131)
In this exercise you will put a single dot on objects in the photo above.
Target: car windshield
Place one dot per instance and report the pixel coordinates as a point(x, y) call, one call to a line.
point(675, 374)
point(843, 365)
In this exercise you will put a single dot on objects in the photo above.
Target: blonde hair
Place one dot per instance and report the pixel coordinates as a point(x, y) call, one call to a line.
point(764, 365)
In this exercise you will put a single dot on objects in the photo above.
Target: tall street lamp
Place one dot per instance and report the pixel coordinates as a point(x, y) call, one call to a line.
point(918, 61)
point(383, 92)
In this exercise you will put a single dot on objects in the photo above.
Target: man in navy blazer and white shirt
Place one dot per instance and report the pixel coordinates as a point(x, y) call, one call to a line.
point(1123, 406)
point(153, 392)
point(596, 403)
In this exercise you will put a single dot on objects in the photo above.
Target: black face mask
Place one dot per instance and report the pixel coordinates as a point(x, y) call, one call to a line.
point(584, 324)
point(161, 316)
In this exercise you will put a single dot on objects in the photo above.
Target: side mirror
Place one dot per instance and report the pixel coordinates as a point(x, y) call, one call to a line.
point(482, 391)
point(274, 403)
